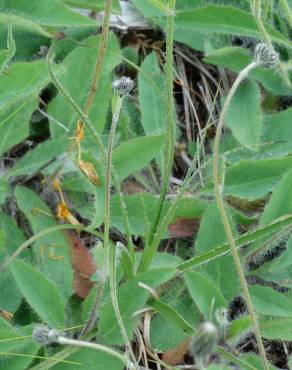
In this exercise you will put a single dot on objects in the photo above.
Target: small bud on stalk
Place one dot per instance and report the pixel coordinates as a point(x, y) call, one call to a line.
point(44, 335)
point(266, 56)
point(123, 86)
point(203, 343)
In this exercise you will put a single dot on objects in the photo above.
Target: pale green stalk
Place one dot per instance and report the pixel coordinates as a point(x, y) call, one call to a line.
point(96, 346)
point(287, 11)
point(83, 117)
point(220, 202)
point(117, 104)
point(162, 227)
point(170, 131)
point(100, 57)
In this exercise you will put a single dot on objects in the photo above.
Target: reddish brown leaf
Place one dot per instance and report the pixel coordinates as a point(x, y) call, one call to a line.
point(130, 187)
point(183, 227)
point(175, 356)
point(83, 265)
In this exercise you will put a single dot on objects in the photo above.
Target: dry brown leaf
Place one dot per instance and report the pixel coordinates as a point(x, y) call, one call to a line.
point(183, 227)
point(83, 265)
point(6, 315)
point(175, 356)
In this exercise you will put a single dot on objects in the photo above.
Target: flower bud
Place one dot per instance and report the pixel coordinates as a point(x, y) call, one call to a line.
point(266, 56)
point(204, 342)
point(89, 171)
point(124, 85)
point(44, 335)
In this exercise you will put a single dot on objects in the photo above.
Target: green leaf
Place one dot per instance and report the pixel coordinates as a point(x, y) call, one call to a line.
point(4, 190)
point(193, 38)
point(14, 123)
point(10, 296)
point(135, 154)
point(80, 63)
point(7, 55)
point(41, 155)
point(244, 116)
point(23, 23)
point(238, 328)
point(49, 13)
point(89, 359)
point(277, 127)
point(269, 302)
point(7, 333)
point(251, 179)
point(168, 312)
point(221, 250)
point(234, 359)
point(205, 293)
point(22, 80)
point(27, 42)
point(167, 333)
point(236, 59)
point(22, 358)
point(131, 297)
point(51, 251)
point(42, 295)
point(255, 361)
point(151, 85)
point(225, 20)
point(205, 241)
point(93, 5)
point(144, 205)
point(276, 329)
point(280, 202)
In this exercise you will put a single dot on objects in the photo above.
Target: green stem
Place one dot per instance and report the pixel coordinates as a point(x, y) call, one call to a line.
point(220, 202)
point(100, 57)
point(170, 130)
point(91, 128)
point(162, 227)
point(117, 104)
point(116, 114)
point(96, 346)
point(100, 145)
point(287, 11)
point(267, 6)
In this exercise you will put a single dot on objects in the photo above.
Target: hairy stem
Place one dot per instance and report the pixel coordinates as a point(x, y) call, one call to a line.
point(95, 135)
point(170, 131)
point(117, 104)
point(100, 57)
point(220, 202)
point(287, 11)
point(96, 346)
point(83, 117)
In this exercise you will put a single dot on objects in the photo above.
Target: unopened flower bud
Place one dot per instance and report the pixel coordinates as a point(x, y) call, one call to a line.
point(44, 335)
point(124, 85)
point(266, 56)
point(204, 342)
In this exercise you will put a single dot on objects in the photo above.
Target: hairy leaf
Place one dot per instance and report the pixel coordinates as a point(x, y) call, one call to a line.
point(42, 295)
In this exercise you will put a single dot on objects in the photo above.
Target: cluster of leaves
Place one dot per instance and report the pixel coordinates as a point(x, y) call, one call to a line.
point(37, 125)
